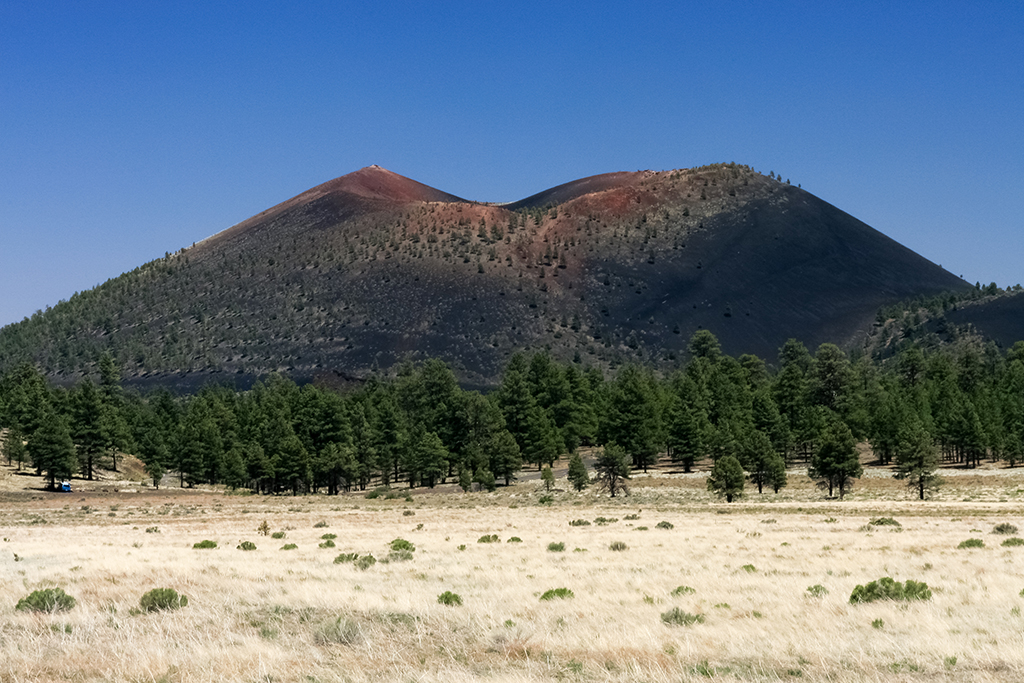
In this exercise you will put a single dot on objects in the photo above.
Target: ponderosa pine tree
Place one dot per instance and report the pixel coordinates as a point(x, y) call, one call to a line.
point(87, 424)
point(917, 460)
point(577, 474)
point(835, 462)
point(612, 469)
point(633, 417)
point(726, 478)
point(51, 448)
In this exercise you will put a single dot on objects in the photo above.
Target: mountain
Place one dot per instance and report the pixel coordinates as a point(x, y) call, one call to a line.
point(372, 268)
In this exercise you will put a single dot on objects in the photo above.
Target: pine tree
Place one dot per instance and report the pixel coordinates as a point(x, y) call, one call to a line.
point(51, 448)
point(87, 424)
point(612, 468)
point(548, 477)
point(917, 460)
point(726, 478)
point(835, 462)
point(577, 474)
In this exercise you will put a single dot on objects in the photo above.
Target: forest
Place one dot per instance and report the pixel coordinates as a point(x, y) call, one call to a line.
point(746, 419)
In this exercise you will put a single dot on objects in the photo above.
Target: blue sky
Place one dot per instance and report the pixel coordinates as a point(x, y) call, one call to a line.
point(131, 129)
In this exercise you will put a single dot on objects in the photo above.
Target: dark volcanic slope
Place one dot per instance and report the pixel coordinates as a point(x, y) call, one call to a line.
point(1000, 319)
point(372, 267)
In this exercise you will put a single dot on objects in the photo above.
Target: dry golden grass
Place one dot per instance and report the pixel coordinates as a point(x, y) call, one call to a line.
point(274, 615)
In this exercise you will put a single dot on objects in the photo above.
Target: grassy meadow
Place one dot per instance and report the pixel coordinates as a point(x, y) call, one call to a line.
point(296, 615)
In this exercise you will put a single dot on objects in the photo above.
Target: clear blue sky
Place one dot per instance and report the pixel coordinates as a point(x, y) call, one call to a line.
point(130, 129)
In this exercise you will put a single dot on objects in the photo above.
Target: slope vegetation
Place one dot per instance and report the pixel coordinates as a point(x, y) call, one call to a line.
point(371, 268)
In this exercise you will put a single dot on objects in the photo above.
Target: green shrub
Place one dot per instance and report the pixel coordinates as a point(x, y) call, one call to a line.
point(161, 599)
point(546, 499)
point(887, 589)
point(617, 546)
point(289, 546)
point(682, 590)
point(972, 543)
point(408, 513)
point(277, 534)
point(632, 517)
point(877, 623)
point(450, 599)
point(664, 525)
point(152, 530)
point(329, 537)
point(579, 522)
point(817, 591)
point(204, 545)
point(515, 539)
point(341, 631)
point(46, 600)
point(749, 568)
point(884, 521)
point(327, 544)
point(640, 528)
point(320, 525)
point(346, 557)
point(556, 547)
point(488, 538)
point(365, 562)
point(1005, 529)
point(246, 545)
point(560, 593)
point(372, 494)
point(400, 544)
point(263, 529)
point(462, 546)
point(1012, 542)
point(677, 617)
point(605, 520)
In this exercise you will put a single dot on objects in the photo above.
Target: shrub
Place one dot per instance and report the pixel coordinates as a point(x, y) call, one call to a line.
point(372, 494)
point(664, 525)
point(560, 593)
point(263, 529)
point(1005, 529)
point(884, 521)
point(887, 589)
point(161, 599)
point(677, 617)
point(400, 544)
point(246, 545)
point(341, 631)
point(277, 534)
point(408, 513)
point(579, 522)
point(640, 528)
point(327, 544)
point(398, 556)
point(972, 543)
point(46, 600)
point(365, 562)
point(488, 538)
point(605, 520)
point(546, 499)
point(877, 623)
point(204, 545)
point(346, 557)
point(450, 599)
point(320, 525)
point(1012, 542)
point(329, 537)
point(289, 546)
point(556, 547)
point(152, 530)
point(632, 517)
point(749, 568)
point(515, 539)
point(817, 591)
point(617, 546)
point(682, 590)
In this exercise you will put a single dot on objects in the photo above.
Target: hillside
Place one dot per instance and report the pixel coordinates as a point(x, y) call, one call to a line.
point(372, 268)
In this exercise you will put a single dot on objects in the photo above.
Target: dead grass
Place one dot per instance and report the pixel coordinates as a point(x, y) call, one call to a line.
point(296, 616)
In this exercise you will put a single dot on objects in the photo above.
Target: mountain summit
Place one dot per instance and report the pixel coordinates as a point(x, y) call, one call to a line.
point(372, 268)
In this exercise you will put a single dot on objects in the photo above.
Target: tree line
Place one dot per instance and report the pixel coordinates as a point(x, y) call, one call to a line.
point(417, 427)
